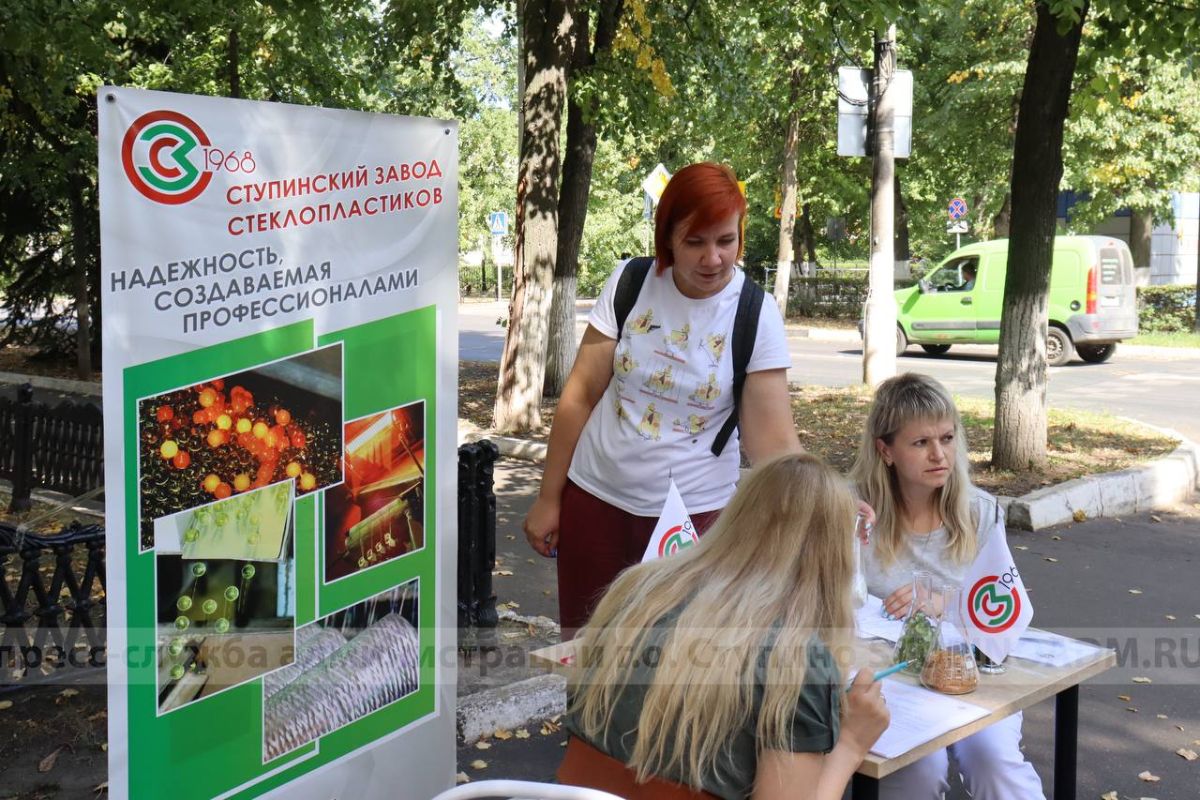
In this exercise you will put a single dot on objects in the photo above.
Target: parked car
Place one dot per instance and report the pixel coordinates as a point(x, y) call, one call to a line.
point(1092, 302)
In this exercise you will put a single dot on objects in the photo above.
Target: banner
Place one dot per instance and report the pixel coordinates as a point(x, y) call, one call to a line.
point(674, 530)
point(995, 605)
point(280, 394)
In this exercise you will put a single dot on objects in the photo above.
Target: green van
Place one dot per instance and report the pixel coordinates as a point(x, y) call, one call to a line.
point(1092, 304)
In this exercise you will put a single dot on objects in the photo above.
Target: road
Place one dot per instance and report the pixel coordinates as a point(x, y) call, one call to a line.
point(1154, 385)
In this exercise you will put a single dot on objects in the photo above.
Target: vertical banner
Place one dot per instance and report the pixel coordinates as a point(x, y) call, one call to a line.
point(280, 393)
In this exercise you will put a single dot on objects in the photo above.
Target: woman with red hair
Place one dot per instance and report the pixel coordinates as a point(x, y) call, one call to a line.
point(648, 396)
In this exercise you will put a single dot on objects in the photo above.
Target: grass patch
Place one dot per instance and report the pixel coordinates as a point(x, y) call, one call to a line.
point(830, 423)
point(1178, 339)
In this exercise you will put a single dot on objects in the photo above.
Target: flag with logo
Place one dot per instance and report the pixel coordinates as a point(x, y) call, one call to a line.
point(674, 530)
point(996, 607)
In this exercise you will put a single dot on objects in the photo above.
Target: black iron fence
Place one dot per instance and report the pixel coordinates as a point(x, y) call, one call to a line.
point(59, 448)
point(477, 542)
point(52, 591)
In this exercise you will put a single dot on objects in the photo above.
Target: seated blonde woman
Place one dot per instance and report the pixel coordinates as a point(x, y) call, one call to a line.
point(712, 673)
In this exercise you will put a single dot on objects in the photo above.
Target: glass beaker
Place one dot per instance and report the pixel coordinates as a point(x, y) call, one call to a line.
point(920, 625)
point(950, 667)
point(858, 585)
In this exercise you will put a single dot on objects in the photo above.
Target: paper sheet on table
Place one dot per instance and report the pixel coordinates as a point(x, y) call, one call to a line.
point(919, 715)
point(870, 623)
point(1051, 649)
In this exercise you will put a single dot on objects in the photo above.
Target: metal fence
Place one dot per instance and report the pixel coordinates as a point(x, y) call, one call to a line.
point(51, 605)
point(476, 543)
point(59, 448)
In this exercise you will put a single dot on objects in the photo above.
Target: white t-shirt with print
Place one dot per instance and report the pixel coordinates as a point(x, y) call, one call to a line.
point(672, 390)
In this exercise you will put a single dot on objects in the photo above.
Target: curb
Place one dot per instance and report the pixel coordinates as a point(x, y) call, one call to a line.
point(88, 388)
point(1160, 483)
point(822, 334)
point(518, 704)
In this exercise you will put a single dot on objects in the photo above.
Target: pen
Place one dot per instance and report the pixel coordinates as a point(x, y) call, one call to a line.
point(883, 673)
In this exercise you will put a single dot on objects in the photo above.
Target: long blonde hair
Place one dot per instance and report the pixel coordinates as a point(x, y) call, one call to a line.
point(773, 572)
point(898, 401)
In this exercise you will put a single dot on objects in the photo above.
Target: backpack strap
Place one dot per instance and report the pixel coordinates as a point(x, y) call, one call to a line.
point(629, 286)
point(745, 329)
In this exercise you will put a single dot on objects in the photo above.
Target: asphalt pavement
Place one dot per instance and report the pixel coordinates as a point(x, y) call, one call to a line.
point(1125, 583)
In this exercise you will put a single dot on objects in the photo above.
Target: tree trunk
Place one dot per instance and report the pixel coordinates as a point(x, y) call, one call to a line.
point(548, 40)
point(1002, 222)
point(808, 240)
point(572, 202)
point(1141, 227)
point(902, 252)
point(1019, 440)
point(787, 201)
point(79, 268)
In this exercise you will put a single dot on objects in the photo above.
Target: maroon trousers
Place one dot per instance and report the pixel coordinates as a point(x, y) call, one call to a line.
point(595, 542)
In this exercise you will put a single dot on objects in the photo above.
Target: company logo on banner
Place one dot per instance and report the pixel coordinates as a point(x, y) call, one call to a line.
point(165, 154)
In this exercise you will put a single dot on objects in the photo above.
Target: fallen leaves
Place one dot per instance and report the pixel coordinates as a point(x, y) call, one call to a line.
point(1135, 591)
point(5, 705)
point(47, 763)
point(1148, 776)
point(502, 572)
point(1171, 617)
point(1052, 560)
point(1188, 755)
point(1142, 679)
point(460, 778)
point(1056, 538)
point(1161, 716)
point(1156, 517)
point(1110, 796)
point(1020, 547)
point(502, 734)
point(522, 733)
point(483, 746)
point(479, 763)
point(65, 694)
point(1124, 697)
point(1080, 515)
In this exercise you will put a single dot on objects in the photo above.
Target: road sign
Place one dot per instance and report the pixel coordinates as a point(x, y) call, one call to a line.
point(958, 226)
point(957, 208)
point(656, 182)
point(498, 222)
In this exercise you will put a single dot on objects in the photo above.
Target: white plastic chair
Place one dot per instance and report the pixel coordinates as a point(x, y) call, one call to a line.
point(528, 790)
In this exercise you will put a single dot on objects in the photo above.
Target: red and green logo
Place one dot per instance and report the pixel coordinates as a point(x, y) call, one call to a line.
point(992, 606)
point(676, 539)
point(163, 156)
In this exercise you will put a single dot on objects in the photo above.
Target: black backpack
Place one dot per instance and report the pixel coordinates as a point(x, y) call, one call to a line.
point(745, 328)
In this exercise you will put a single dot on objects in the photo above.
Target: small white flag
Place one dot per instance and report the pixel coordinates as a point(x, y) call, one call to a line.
point(996, 607)
point(674, 530)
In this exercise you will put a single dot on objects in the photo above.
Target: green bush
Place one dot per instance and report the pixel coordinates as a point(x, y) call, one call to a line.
point(1166, 309)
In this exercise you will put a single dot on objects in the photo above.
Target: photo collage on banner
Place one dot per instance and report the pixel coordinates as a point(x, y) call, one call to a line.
point(279, 284)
